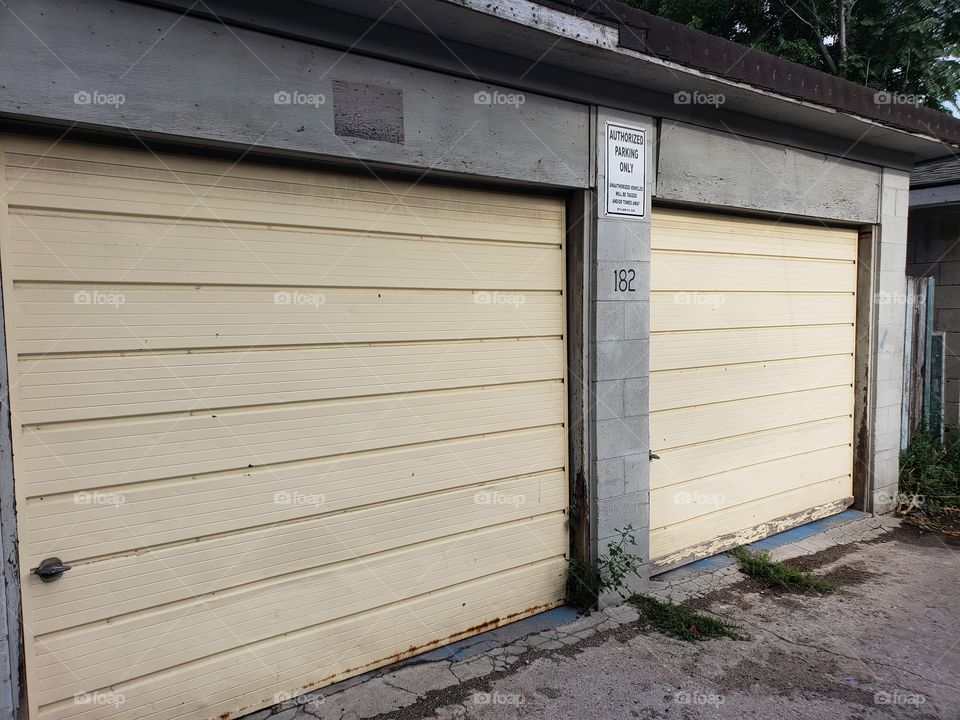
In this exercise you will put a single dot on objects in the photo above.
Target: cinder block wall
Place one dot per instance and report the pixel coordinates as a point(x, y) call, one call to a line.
point(933, 249)
point(889, 282)
point(620, 354)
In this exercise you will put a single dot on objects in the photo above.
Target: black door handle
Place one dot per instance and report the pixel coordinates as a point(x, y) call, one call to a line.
point(50, 569)
point(654, 457)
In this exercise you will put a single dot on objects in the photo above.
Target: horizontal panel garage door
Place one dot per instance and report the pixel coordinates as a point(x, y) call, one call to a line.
point(751, 379)
point(286, 425)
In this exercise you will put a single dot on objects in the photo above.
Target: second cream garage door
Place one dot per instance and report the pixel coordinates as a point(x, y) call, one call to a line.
point(286, 425)
point(751, 379)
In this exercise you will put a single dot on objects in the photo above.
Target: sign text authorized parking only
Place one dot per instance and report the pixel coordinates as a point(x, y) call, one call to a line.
point(626, 170)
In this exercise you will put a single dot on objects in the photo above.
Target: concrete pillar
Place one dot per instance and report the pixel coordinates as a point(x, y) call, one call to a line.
point(887, 363)
point(619, 350)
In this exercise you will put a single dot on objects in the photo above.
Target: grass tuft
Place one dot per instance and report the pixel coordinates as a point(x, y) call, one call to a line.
point(682, 622)
point(780, 575)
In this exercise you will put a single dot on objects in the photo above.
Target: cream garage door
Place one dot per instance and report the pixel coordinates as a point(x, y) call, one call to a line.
point(751, 379)
point(286, 425)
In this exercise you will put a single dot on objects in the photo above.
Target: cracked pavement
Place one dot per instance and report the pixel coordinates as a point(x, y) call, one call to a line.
point(886, 646)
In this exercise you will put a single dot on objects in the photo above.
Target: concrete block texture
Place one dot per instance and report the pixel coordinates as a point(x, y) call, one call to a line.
point(608, 397)
point(620, 308)
point(623, 240)
point(951, 390)
point(894, 183)
point(903, 203)
point(887, 418)
point(933, 240)
point(951, 413)
point(610, 478)
point(885, 500)
point(895, 228)
point(636, 320)
point(951, 357)
point(893, 252)
point(888, 201)
point(948, 269)
point(885, 472)
point(610, 321)
point(947, 318)
point(636, 476)
point(888, 454)
point(888, 393)
point(891, 336)
point(621, 359)
point(893, 225)
point(619, 437)
point(890, 298)
point(947, 296)
point(889, 366)
point(897, 179)
point(886, 438)
point(615, 514)
point(887, 361)
point(937, 249)
point(636, 396)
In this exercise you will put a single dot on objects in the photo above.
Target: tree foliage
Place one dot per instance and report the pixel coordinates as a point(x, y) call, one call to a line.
point(908, 47)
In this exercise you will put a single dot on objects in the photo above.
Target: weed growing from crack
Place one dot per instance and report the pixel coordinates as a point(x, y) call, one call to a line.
point(780, 575)
point(586, 582)
point(682, 622)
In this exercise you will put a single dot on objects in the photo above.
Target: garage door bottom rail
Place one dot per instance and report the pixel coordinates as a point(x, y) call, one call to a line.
point(742, 537)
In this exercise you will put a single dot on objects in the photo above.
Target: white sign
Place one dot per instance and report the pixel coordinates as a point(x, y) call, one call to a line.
point(626, 170)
